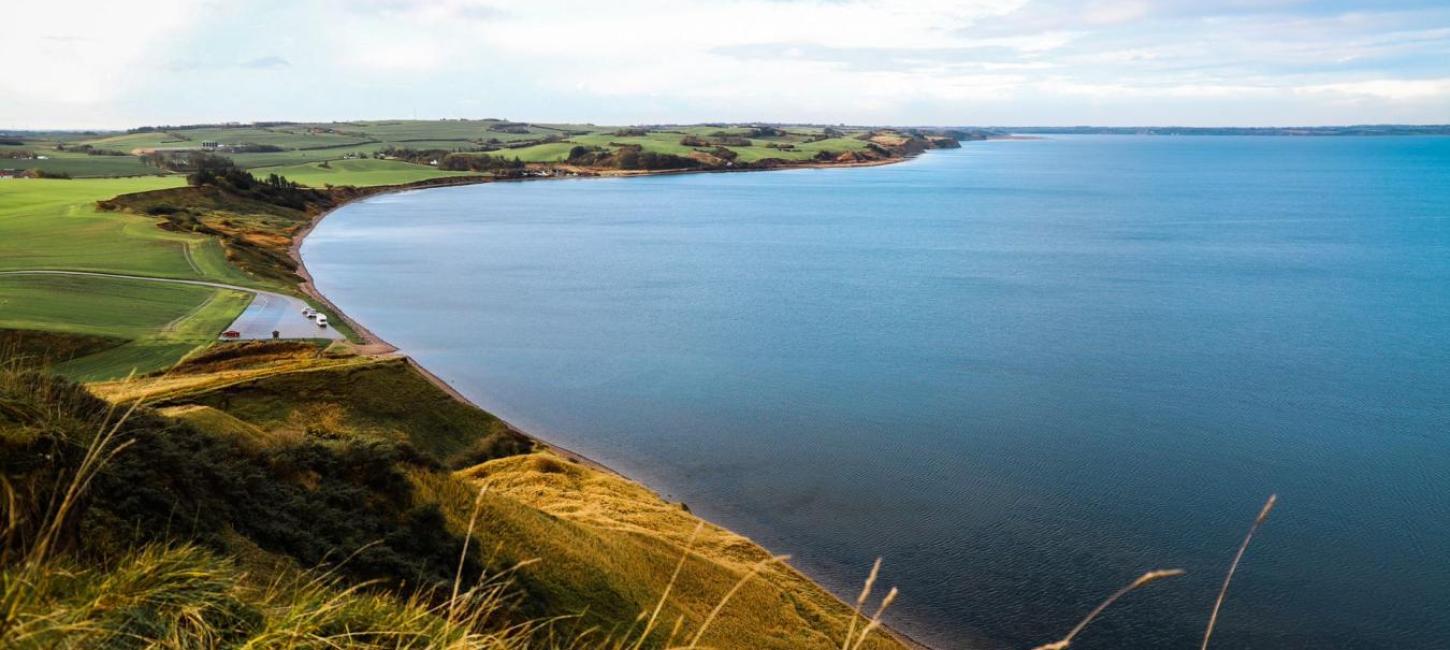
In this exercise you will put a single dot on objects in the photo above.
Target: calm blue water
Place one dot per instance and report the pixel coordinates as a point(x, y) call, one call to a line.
point(1024, 372)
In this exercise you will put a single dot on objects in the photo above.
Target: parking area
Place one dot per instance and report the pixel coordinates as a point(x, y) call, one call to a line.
point(271, 312)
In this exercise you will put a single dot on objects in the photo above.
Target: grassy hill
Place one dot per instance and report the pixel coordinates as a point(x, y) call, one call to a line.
point(283, 457)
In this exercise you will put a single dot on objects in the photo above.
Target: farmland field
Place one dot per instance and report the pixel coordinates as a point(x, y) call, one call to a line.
point(54, 224)
point(291, 136)
point(161, 321)
point(546, 152)
point(84, 166)
point(359, 172)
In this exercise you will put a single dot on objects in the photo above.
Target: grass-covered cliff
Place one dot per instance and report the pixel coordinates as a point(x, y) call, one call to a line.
point(276, 491)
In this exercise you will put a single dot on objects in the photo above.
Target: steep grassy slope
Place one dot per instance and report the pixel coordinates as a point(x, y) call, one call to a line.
point(609, 542)
point(278, 493)
point(383, 398)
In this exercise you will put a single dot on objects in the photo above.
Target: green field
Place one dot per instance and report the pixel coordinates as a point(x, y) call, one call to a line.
point(161, 322)
point(290, 136)
point(547, 152)
point(54, 224)
point(360, 172)
point(78, 164)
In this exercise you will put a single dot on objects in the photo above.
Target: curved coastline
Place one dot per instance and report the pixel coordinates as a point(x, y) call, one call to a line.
point(376, 345)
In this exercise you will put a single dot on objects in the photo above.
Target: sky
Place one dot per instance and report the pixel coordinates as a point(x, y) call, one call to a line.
point(125, 63)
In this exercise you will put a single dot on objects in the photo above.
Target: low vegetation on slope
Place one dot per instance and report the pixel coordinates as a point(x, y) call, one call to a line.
point(232, 496)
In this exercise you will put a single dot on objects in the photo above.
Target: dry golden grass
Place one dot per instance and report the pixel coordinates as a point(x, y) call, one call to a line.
point(176, 385)
point(589, 529)
point(178, 597)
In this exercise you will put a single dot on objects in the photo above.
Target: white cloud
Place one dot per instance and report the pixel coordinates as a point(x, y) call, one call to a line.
point(1386, 89)
point(1115, 11)
point(86, 53)
point(936, 61)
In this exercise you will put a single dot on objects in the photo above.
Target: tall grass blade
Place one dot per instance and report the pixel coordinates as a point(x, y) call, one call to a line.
point(860, 602)
point(1142, 580)
point(1223, 591)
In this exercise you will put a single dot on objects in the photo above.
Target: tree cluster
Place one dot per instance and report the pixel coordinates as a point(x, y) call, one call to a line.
point(634, 157)
point(452, 160)
point(90, 150)
point(510, 127)
point(219, 171)
point(721, 139)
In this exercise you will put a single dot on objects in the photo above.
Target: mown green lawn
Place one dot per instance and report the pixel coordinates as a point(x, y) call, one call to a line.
point(359, 172)
point(162, 322)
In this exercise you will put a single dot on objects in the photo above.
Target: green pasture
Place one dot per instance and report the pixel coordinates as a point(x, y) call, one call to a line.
point(54, 224)
point(160, 322)
point(361, 172)
point(547, 152)
point(289, 136)
point(253, 161)
point(404, 131)
point(75, 163)
point(81, 166)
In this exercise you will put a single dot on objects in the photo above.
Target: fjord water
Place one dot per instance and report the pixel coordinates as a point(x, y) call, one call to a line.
point(1024, 372)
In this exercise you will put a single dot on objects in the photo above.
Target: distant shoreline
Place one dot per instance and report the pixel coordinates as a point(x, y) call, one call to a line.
point(1353, 130)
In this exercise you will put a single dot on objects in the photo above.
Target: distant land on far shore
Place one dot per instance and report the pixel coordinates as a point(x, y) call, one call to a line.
point(1354, 129)
point(975, 132)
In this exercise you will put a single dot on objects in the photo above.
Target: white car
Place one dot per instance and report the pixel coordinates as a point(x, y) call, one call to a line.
point(321, 320)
